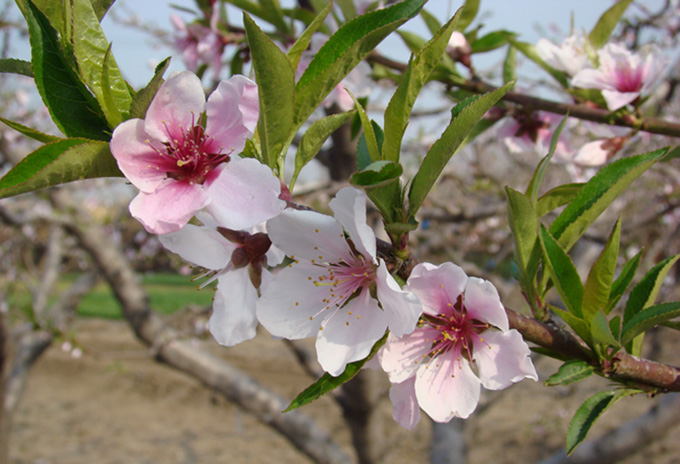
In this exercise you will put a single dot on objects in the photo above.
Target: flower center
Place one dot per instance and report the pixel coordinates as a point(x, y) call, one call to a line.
point(344, 279)
point(628, 79)
point(191, 154)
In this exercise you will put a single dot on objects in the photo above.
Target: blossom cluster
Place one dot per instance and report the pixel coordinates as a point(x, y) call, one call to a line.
point(448, 334)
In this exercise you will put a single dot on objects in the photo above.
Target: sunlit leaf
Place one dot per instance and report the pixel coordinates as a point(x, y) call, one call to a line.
point(570, 372)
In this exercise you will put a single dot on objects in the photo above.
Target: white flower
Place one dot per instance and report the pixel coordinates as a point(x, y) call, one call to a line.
point(571, 56)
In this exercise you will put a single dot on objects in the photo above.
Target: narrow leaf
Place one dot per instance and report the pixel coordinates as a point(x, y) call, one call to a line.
point(529, 50)
point(305, 38)
point(142, 99)
point(491, 41)
point(562, 272)
point(30, 132)
point(649, 318)
point(369, 133)
point(570, 372)
point(644, 293)
point(57, 163)
point(524, 226)
point(444, 148)
point(623, 280)
point(510, 64)
point(601, 277)
point(600, 330)
point(598, 193)
point(12, 65)
point(559, 196)
point(468, 14)
point(431, 21)
point(276, 87)
point(589, 412)
point(577, 324)
point(606, 24)
point(327, 382)
point(537, 178)
point(412, 81)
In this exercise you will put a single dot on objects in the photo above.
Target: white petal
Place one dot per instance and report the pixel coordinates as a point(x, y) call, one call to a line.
point(349, 208)
point(401, 357)
point(437, 286)
point(233, 319)
point(405, 410)
point(616, 100)
point(502, 358)
point(591, 79)
point(349, 334)
point(483, 303)
point(178, 104)
point(232, 111)
point(308, 235)
point(592, 154)
point(447, 388)
point(244, 193)
point(401, 307)
point(291, 305)
point(200, 245)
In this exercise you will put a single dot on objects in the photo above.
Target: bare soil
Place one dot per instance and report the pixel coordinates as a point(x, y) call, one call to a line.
point(116, 404)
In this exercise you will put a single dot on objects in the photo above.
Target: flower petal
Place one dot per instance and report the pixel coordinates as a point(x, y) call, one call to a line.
point(401, 357)
point(405, 410)
point(616, 100)
point(592, 154)
point(178, 104)
point(233, 318)
point(447, 388)
point(401, 307)
point(202, 246)
point(168, 208)
point(502, 358)
point(349, 334)
point(437, 286)
point(349, 208)
point(591, 79)
point(140, 163)
point(243, 193)
point(232, 111)
point(291, 306)
point(308, 235)
point(483, 303)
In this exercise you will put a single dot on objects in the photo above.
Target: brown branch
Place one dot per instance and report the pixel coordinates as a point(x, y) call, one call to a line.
point(579, 111)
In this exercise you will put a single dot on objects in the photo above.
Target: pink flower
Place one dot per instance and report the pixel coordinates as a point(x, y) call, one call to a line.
point(199, 44)
point(533, 132)
point(336, 288)
point(462, 343)
point(622, 76)
point(571, 56)
point(459, 48)
point(180, 167)
point(237, 260)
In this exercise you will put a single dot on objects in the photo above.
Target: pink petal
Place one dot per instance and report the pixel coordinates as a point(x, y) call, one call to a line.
point(349, 208)
point(349, 334)
point(232, 111)
point(168, 208)
point(202, 246)
point(436, 286)
point(405, 410)
point(484, 304)
point(502, 358)
point(136, 158)
point(616, 100)
point(591, 79)
point(401, 357)
point(291, 306)
point(592, 154)
point(243, 193)
point(308, 235)
point(447, 388)
point(233, 318)
point(401, 307)
point(178, 104)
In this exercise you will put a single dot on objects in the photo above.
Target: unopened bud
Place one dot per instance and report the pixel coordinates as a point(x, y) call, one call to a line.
point(459, 49)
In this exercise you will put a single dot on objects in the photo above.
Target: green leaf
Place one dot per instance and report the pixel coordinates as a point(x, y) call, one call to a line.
point(380, 180)
point(369, 134)
point(648, 318)
point(30, 132)
point(529, 50)
point(606, 24)
point(599, 283)
point(645, 292)
point(276, 87)
point(431, 21)
point(524, 226)
point(101, 7)
point(275, 14)
point(12, 65)
point(305, 38)
point(562, 272)
point(623, 280)
point(327, 382)
point(598, 193)
point(570, 372)
point(314, 138)
point(412, 81)
point(537, 178)
point(468, 14)
point(92, 52)
point(143, 98)
point(510, 65)
point(348, 9)
point(59, 162)
point(491, 41)
point(601, 331)
point(256, 9)
point(462, 121)
point(344, 50)
point(559, 196)
point(377, 173)
point(589, 412)
point(73, 109)
point(577, 324)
